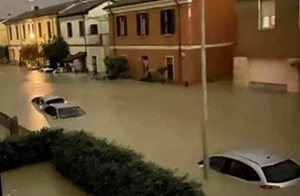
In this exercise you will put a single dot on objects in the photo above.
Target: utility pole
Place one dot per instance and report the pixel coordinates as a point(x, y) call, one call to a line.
point(204, 92)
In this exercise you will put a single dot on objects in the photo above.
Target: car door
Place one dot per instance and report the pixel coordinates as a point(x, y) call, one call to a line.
point(240, 170)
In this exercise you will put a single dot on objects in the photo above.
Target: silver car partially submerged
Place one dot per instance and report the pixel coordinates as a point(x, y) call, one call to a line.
point(265, 169)
point(43, 101)
point(63, 111)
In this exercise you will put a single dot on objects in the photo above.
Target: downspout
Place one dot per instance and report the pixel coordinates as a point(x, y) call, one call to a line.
point(179, 41)
point(113, 31)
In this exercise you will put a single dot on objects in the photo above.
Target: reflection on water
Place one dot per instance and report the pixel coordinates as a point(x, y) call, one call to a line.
point(163, 121)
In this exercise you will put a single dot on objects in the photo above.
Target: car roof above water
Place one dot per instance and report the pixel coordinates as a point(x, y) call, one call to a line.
point(62, 105)
point(51, 97)
point(262, 158)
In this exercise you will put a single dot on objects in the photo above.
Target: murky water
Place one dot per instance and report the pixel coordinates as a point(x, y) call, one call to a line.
point(164, 121)
point(38, 180)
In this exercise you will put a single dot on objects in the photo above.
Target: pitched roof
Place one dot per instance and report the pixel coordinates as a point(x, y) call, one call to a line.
point(52, 10)
point(122, 3)
point(81, 7)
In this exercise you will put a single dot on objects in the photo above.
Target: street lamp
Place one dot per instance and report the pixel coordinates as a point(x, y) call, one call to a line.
point(204, 92)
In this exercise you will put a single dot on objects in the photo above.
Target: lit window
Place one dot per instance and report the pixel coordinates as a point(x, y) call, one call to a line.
point(267, 16)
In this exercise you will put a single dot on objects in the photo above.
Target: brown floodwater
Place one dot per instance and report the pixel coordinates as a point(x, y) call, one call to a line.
point(164, 121)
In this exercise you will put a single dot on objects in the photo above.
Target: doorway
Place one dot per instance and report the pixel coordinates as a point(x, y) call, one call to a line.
point(94, 63)
point(170, 67)
point(145, 64)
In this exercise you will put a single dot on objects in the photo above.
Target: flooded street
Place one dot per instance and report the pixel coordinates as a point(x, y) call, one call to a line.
point(164, 121)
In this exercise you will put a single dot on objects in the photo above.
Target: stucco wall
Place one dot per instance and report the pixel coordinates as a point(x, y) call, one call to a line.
point(76, 39)
point(3, 35)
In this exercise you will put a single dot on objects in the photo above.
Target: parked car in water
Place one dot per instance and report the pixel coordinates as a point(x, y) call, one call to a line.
point(44, 101)
point(47, 70)
point(63, 111)
point(265, 169)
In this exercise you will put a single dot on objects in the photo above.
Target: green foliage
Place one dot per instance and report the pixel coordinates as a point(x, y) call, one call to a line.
point(116, 66)
point(4, 55)
point(103, 168)
point(156, 76)
point(55, 50)
point(30, 54)
point(34, 147)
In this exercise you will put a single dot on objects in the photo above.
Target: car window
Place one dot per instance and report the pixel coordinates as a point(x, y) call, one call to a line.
point(282, 172)
point(51, 111)
point(54, 101)
point(217, 163)
point(71, 112)
point(243, 171)
point(40, 101)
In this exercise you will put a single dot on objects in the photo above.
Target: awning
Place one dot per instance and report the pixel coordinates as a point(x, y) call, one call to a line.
point(75, 56)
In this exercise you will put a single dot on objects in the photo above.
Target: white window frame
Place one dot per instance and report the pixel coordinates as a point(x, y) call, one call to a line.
point(260, 18)
point(166, 65)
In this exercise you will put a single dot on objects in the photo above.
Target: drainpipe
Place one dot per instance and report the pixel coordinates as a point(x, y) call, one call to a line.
point(179, 41)
point(85, 41)
point(113, 31)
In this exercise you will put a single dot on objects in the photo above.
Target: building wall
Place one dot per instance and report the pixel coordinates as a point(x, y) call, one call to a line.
point(32, 37)
point(3, 35)
point(76, 39)
point(267, 51)
point(184, 44)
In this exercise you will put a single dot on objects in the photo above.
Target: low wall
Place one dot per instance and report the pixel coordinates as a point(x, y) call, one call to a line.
point(11, 123)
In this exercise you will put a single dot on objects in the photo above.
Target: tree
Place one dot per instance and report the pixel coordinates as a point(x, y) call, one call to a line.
point(4, 55)
point(30, 54)
point(55, 50)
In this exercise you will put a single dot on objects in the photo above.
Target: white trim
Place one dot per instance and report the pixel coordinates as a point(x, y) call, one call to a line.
point(176, 47)
point(173, 59)
point(149, 5)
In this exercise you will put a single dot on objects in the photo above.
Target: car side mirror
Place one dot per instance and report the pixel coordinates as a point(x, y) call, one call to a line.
point(201, 164)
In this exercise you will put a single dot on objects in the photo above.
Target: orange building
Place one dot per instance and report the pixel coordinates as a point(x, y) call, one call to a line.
point(166, 33)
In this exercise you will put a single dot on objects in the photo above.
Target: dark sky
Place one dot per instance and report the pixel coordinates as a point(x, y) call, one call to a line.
point(18, 6)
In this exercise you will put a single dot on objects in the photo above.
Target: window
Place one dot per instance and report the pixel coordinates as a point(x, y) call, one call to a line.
point(69, 28)
point(167, 20)
point(243, 171)
point(94, 29)
point(267, 17)
point(121, 26)
point(142, 24)
point(29, 29)
point(282, 172)
point(217, 163)
point(49, 29)
point(32, 28)
point(51, 111)
point(17, 33)
point(40, 30)
point(10, 33)
point(81, 28)
point(24, 32)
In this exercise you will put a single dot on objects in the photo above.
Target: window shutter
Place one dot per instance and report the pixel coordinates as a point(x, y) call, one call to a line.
point(125, 24)
point(172, 22)
point(147, 23)
point(162, 22)
point(118, 26)
point(138, 24)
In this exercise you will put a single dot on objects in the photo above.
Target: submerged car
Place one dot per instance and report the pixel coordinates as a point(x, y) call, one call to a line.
point(44, 101)
point(265, 169)
point(47, 70)
point(63, 111)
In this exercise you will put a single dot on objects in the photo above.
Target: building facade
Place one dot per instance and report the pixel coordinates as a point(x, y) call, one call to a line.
point(3, 33)
point(85, 28)
point(32, 28)
point(267, 48)
point(166, 34)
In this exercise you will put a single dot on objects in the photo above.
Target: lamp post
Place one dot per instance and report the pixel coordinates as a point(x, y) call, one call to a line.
point(204, 92)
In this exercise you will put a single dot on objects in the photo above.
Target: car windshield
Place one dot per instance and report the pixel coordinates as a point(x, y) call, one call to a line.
point(71, 112)
point(282, 172)
point(54, 101)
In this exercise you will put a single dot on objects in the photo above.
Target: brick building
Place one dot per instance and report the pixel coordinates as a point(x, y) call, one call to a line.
point(166, 33)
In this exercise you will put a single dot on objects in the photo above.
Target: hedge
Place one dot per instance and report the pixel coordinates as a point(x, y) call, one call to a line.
point(34, 147)
point(97, 165)
point(106, 169)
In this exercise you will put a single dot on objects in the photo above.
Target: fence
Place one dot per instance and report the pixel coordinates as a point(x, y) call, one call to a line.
point(11, 123)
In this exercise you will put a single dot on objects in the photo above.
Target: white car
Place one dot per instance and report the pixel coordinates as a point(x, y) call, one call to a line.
point(44, 101)
point(63, 111)
point(47, 70)
point(265, 169)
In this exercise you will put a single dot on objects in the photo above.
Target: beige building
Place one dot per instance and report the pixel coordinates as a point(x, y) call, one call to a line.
point(3, 33)
point(85, 27)
point(267, 49)
point(33, 27)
